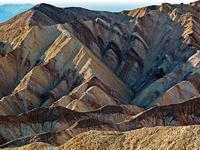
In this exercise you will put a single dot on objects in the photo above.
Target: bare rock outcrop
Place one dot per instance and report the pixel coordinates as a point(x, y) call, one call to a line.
point(65, 71)
point(160, 138)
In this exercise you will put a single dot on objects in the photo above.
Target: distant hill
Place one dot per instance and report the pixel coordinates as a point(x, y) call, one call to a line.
point(7, 11)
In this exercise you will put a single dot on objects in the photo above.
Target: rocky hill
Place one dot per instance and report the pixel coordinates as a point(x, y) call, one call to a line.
point(65, 71)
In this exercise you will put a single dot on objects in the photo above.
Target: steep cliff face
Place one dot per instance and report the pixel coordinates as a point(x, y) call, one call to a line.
point(71, 70)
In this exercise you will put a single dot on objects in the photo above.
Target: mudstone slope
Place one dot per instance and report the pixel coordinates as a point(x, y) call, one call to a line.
point(65, 71)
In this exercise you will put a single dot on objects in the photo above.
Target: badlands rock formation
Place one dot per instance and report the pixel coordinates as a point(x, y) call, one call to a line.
point(159, 138)
point(65, 71)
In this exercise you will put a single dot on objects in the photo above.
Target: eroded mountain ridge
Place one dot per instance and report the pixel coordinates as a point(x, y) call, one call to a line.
point(65, 71)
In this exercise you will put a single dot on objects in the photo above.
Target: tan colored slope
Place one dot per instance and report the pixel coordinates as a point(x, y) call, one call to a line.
point(157, 138)
point(15, 27)
point(67, 62)
point(130, 55)
point(180, 114)
point(57, 125)
point(146, 138)
point(179, 93)
point(95, 63)
point(27, 50)
point(35, 146)
point(90, 95)
point(140, 12)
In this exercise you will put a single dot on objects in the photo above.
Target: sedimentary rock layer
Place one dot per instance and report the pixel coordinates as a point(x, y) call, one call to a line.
point(65, 71)
point(160, 138)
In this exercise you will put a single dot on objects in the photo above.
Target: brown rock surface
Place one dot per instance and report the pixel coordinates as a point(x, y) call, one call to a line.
point(179, 93)
point(65, 71)
point(179, 114)
point(159, 138)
